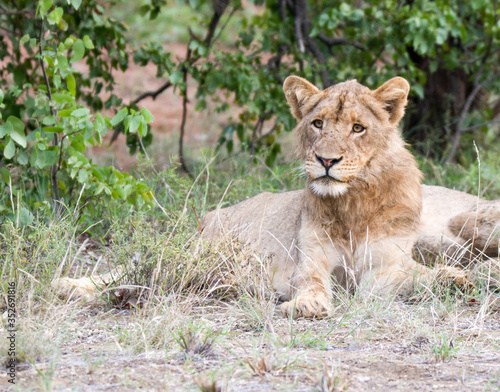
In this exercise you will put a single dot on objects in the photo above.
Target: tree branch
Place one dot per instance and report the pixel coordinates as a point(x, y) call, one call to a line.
point(21, 12)
point(329, 41)
point(302, 20)
point(152, 94)
point(184, 116)
point(219, 8)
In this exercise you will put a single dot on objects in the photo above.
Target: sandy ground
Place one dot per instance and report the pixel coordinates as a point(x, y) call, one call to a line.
point(370, 353)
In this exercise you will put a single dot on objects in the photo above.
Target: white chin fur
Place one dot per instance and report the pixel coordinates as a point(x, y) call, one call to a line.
point(333, 189)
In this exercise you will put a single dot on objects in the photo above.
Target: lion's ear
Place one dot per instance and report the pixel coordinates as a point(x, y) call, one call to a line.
point(393, 95)
point(298, 92)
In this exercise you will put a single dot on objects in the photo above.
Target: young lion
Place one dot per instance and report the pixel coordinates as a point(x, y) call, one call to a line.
point(359, 216)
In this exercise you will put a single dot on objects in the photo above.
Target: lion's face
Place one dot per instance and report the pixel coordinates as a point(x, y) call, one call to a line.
point(343, 128)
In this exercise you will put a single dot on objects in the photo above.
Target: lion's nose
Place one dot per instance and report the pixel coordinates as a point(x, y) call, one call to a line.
point(328, 162)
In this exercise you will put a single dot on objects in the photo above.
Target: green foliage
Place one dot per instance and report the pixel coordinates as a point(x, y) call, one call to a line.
point(46, 129)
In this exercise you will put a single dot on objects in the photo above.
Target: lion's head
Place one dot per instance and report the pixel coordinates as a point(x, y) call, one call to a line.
point(347, 132)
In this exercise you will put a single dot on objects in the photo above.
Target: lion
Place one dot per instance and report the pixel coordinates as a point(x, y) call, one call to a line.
point(363, 210)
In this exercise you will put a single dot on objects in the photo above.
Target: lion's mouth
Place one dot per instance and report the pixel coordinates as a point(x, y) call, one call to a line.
point(326, 179)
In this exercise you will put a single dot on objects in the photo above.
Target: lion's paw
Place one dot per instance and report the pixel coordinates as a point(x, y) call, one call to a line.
point(308, 306)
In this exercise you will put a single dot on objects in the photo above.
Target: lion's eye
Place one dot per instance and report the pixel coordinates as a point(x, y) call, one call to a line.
point(358, 128)
point(318, 123)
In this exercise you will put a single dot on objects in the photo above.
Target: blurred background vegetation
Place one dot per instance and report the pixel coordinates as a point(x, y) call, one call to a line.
point(184, 83)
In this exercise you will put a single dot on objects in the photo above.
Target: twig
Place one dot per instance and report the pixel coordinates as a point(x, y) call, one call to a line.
point(330, 41)
point(258, 127)
point(223, 27)
point(297, 24)
point(152, 94)
point(21, 12)
point(480, 125)
point(61, 149)
point(273, 128)
point(197, 220)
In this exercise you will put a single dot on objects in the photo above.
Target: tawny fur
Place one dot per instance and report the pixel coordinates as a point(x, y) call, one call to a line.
point(360, 218)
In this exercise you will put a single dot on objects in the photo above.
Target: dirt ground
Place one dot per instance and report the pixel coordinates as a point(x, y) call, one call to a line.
point(367, 353)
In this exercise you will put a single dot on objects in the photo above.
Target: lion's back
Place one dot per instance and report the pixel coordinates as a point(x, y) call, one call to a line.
point(267, 222)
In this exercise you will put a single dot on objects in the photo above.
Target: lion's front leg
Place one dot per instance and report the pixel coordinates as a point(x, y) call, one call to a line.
point(313, 297)
point(311, 279)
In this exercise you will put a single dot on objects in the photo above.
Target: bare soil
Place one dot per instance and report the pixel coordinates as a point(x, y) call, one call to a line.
point(371, 354)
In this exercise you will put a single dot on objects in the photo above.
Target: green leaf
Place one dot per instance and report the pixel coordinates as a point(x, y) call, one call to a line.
point(143, 128)
point(89, 130)
point(9, 150)
point(134, 124)
point(25, 217)
point(65, 112)
point(22, 41)
point(5, 129)
point(58, 97)
point(194, 3)
point(53, 129)
point(144, 9)
point(82, 175)
point(82, 112)
point(48, 120)
point(70, 81)
point(120, 192)
point(5, 174)
point(46, 158)
point(78, 51)
point(176, 77)
point(419, 90)
point(69, 42)
point(1, 95)
point(17, 133)
point(44, 6)
point(23, 158)
point(118, 118)
point(55, 16)
point(146, 114)
point(76, 4)
point(100, 124)
point(88, 42)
